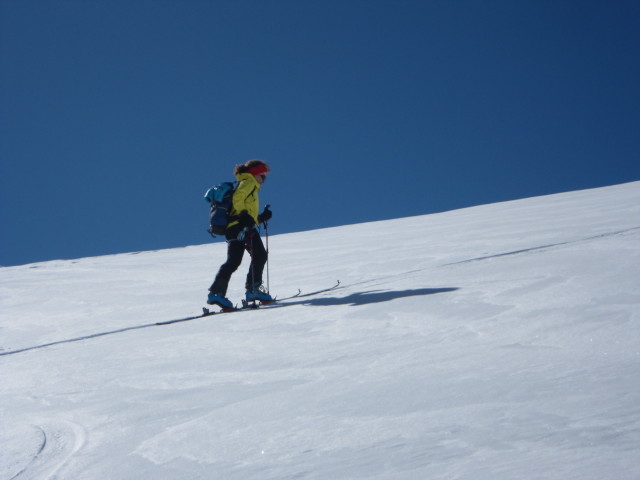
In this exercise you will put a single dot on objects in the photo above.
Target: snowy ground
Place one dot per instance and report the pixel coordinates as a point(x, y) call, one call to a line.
point(495, 342)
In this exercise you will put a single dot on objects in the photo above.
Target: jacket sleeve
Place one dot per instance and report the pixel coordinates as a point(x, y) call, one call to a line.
point(244, 199)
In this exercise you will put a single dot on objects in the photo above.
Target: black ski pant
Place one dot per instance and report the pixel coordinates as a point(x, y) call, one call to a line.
point(252, 243)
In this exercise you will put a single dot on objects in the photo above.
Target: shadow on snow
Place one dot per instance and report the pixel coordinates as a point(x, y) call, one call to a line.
point(373, 296)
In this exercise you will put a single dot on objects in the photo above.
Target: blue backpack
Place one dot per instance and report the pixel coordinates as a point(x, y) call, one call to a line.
point(220, 199)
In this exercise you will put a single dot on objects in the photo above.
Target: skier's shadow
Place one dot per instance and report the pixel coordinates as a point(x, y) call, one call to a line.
point(372, 296)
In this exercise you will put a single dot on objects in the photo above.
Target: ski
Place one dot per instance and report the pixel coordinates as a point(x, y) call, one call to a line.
point(206, 312)
point(283, 301)
point(317, 292)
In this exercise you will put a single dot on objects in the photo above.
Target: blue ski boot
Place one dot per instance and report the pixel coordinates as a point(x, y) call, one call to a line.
point(258, 293)
point(220, 300)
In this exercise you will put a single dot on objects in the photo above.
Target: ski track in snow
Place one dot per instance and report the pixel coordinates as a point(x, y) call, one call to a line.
point(354, 296)
point(155, 324)
point(544, 247)
point(52, 445)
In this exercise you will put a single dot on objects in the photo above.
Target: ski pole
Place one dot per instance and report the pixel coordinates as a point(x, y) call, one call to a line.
point(266, 235)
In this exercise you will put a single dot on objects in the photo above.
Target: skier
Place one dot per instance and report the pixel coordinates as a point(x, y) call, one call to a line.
point(242, 234)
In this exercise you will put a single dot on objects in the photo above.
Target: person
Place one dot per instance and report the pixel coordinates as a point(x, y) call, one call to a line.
point(242, 234)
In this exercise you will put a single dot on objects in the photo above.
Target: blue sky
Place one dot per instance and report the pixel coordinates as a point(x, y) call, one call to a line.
point(117, 115)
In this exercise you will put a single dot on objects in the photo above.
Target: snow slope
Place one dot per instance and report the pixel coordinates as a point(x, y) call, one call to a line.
point(495, 342)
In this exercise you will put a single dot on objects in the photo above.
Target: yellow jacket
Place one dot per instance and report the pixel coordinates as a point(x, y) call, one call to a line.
point(245, 197)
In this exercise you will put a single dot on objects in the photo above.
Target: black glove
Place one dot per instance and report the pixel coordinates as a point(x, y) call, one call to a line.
point(265, 215)
point(245, 219)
